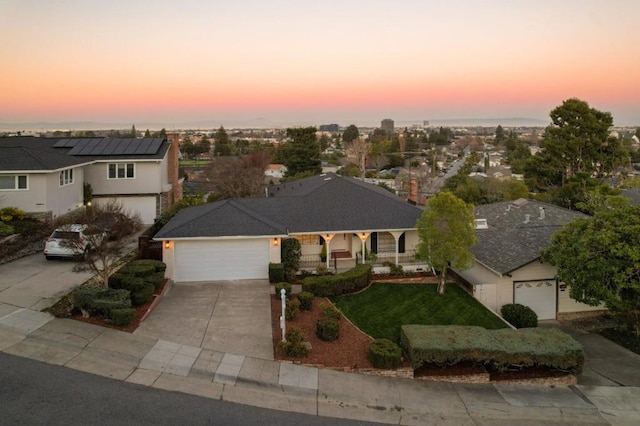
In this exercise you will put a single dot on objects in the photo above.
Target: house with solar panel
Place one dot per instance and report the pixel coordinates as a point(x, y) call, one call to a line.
point(45, 176)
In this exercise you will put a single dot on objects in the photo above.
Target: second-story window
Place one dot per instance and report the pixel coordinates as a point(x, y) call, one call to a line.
point(121, 171)
point(66, 177)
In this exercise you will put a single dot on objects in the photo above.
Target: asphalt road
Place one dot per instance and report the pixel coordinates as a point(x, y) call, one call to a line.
point(36, 393)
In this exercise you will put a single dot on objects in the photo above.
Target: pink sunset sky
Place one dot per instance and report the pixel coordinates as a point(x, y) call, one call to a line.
point(348, 61)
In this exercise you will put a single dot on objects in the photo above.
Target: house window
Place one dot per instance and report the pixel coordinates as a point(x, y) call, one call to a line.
point(308, 240)
point(121, 171)
point(66, 177)
point(13, 182)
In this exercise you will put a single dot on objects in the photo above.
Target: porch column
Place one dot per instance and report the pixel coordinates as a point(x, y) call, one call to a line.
point(396, 236)
point(363, 237)
point(327, 240)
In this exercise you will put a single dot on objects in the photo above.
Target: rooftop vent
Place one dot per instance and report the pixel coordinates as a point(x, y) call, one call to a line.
point(542, 212)
point(527, 218)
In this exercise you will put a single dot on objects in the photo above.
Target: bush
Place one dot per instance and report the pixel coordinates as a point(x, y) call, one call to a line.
point(26, 226)
point(291, 309)
point(306, 300)
point(291, 252)
point(330, 312)
point(8, 214)
point(519, 316)
point(327, 329)
point(286, 287)
point(383, 353)
point(6, 229)
point(142, 293)
point(294, 344)
point(122, 317)
point(394, 269)
point(335, 285)
point(138, 269)
point(276, 272)
point(156, 280)
point(158, 265)
point(83, 296)
point(112, 299)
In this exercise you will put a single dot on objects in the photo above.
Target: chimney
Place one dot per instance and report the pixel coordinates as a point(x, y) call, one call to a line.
point(541, 213)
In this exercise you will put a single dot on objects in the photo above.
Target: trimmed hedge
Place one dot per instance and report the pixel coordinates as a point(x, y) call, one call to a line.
point(138, 269)
point(276, 272)
point(385, 354)
point(143, 293)
point(353, 280)
point(122, 317)
point(519, 316)
point(100, 300)
point(158, 265)
point(306, 300)
point(156, 280)
point(501, 349)
point(286, 287)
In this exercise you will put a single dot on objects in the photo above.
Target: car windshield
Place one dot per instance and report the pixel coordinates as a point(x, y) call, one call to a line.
point(66, 235)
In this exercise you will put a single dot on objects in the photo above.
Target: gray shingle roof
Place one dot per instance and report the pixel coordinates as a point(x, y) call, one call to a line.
point(325, 203)
point(41, 154)
point(511, 241)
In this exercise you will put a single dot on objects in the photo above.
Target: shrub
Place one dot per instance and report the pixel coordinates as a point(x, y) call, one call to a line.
point(7, 214)
point(335, 285)
point(322, 269)
point(330, 312)
point(6, 229)
point(291, 309)
point(519, 316)
point(286, 287)
point(291, 252)
point(156, 280)
point(122, 317)
point(394, 269)
point(83, 296)
point(26, 226)
point(276, 272)
point(294, 344)
point(327, 328)
point(306, 300)
point(112, 299)
point(138, 269)
point(383, 353)
point(158, 265)
point(142, 293)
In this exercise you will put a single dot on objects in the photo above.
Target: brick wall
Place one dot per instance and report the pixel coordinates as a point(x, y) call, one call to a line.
point(175, 193)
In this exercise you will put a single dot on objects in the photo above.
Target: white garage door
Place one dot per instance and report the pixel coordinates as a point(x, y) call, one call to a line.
point(144, 206)
point(221, 260)
point(539, 296)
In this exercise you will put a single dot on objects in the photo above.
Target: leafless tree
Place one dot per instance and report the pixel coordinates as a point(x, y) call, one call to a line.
point(238, 177)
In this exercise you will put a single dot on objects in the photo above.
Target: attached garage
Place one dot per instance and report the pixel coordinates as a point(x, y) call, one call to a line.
point(539, 295)
point(232, 259)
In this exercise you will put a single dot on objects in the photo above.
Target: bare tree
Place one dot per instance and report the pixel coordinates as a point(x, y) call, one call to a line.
point(238, 177)
point(104, 238)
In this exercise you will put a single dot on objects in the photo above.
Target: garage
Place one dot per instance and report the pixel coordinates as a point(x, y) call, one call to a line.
point(144, 206)
point(236, 259)
point(539, 295)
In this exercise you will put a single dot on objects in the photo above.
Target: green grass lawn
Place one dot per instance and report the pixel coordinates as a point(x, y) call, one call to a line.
point(194, 163)
point(380, 310)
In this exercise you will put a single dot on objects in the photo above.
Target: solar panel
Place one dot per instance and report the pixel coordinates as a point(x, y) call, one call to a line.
point(112, 147)
point(108, 149)
point(65, 143)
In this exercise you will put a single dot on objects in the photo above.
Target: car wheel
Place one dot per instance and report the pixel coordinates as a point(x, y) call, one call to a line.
point(48, 257)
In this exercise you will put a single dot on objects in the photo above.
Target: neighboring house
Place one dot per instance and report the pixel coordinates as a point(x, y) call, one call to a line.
point(238, 238)
point(508, 267)
point(633, 194)
point(46, 176)
point(276, 171)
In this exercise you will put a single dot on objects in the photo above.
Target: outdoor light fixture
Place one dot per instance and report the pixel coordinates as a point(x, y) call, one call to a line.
point(276, 241)
point(167, 244)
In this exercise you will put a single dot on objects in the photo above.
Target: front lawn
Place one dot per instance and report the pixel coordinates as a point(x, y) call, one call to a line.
point(381, 309)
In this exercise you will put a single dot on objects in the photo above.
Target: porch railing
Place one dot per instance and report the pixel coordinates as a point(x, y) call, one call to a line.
point(377, 259)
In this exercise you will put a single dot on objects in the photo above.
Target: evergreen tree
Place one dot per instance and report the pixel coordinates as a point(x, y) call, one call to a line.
point(222, 143)
point(301, 153)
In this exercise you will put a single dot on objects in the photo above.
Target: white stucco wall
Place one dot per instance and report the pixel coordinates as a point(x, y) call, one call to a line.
point(147, 179)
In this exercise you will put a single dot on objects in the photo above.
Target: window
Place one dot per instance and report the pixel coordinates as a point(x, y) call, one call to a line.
point(308, 240)
point(121, 171)
point(12, 182)
point(66, 177)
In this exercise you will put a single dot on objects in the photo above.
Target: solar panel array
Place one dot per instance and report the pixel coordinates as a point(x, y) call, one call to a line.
point(107, 146)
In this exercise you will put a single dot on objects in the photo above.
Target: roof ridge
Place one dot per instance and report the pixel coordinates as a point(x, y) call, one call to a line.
point(206, 208)
point(255, 214)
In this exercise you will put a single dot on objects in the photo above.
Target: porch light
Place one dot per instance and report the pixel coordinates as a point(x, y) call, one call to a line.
point(276, 241)
point(167, 244)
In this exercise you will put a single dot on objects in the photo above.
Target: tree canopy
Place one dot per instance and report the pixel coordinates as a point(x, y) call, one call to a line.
point(222, 143)
point(599, 259)
point(350, 133)
point(301, 154)
point(446, 232)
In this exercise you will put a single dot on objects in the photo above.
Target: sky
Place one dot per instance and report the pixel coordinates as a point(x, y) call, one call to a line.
point(315, 62)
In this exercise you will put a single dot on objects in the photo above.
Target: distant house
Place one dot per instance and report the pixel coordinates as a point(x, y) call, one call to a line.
point(508, 266)
point(46, 176)
point(347, 219)
point(276, 171)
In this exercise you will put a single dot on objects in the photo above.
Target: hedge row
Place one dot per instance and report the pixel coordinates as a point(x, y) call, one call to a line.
point(141, 278)
point(334, 285)
point(101, 300)
point(385, 354)
point(501, 349)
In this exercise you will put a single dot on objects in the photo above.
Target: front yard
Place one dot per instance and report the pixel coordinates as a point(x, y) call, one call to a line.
point(381, 309)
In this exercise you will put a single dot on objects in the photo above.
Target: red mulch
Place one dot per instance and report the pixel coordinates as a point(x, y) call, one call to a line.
point(349, 351)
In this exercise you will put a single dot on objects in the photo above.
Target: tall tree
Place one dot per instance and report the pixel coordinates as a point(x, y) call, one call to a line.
point(238, 177)
point(222, 143)
point(499, 135)
point(599, 259)
point(204, 145)
point(147, 133)
point(301, 153)
point(350, 133)
point(134, 132)
point(446, 232)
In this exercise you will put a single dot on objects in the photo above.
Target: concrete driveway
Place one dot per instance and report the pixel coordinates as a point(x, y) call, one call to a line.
point(34, 283)
point(224, 316)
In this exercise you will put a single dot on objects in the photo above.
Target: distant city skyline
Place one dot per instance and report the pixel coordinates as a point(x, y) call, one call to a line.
point(286, 62)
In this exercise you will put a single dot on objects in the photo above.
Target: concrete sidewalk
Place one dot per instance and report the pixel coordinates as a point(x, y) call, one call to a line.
point(175, 366)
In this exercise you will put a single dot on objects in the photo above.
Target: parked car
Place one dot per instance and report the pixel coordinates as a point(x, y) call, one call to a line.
point(72, 241)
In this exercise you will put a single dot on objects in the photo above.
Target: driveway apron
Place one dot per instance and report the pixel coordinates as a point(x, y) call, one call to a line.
point(224, 316)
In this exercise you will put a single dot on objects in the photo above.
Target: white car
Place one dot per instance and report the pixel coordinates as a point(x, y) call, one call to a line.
point(72, 241)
